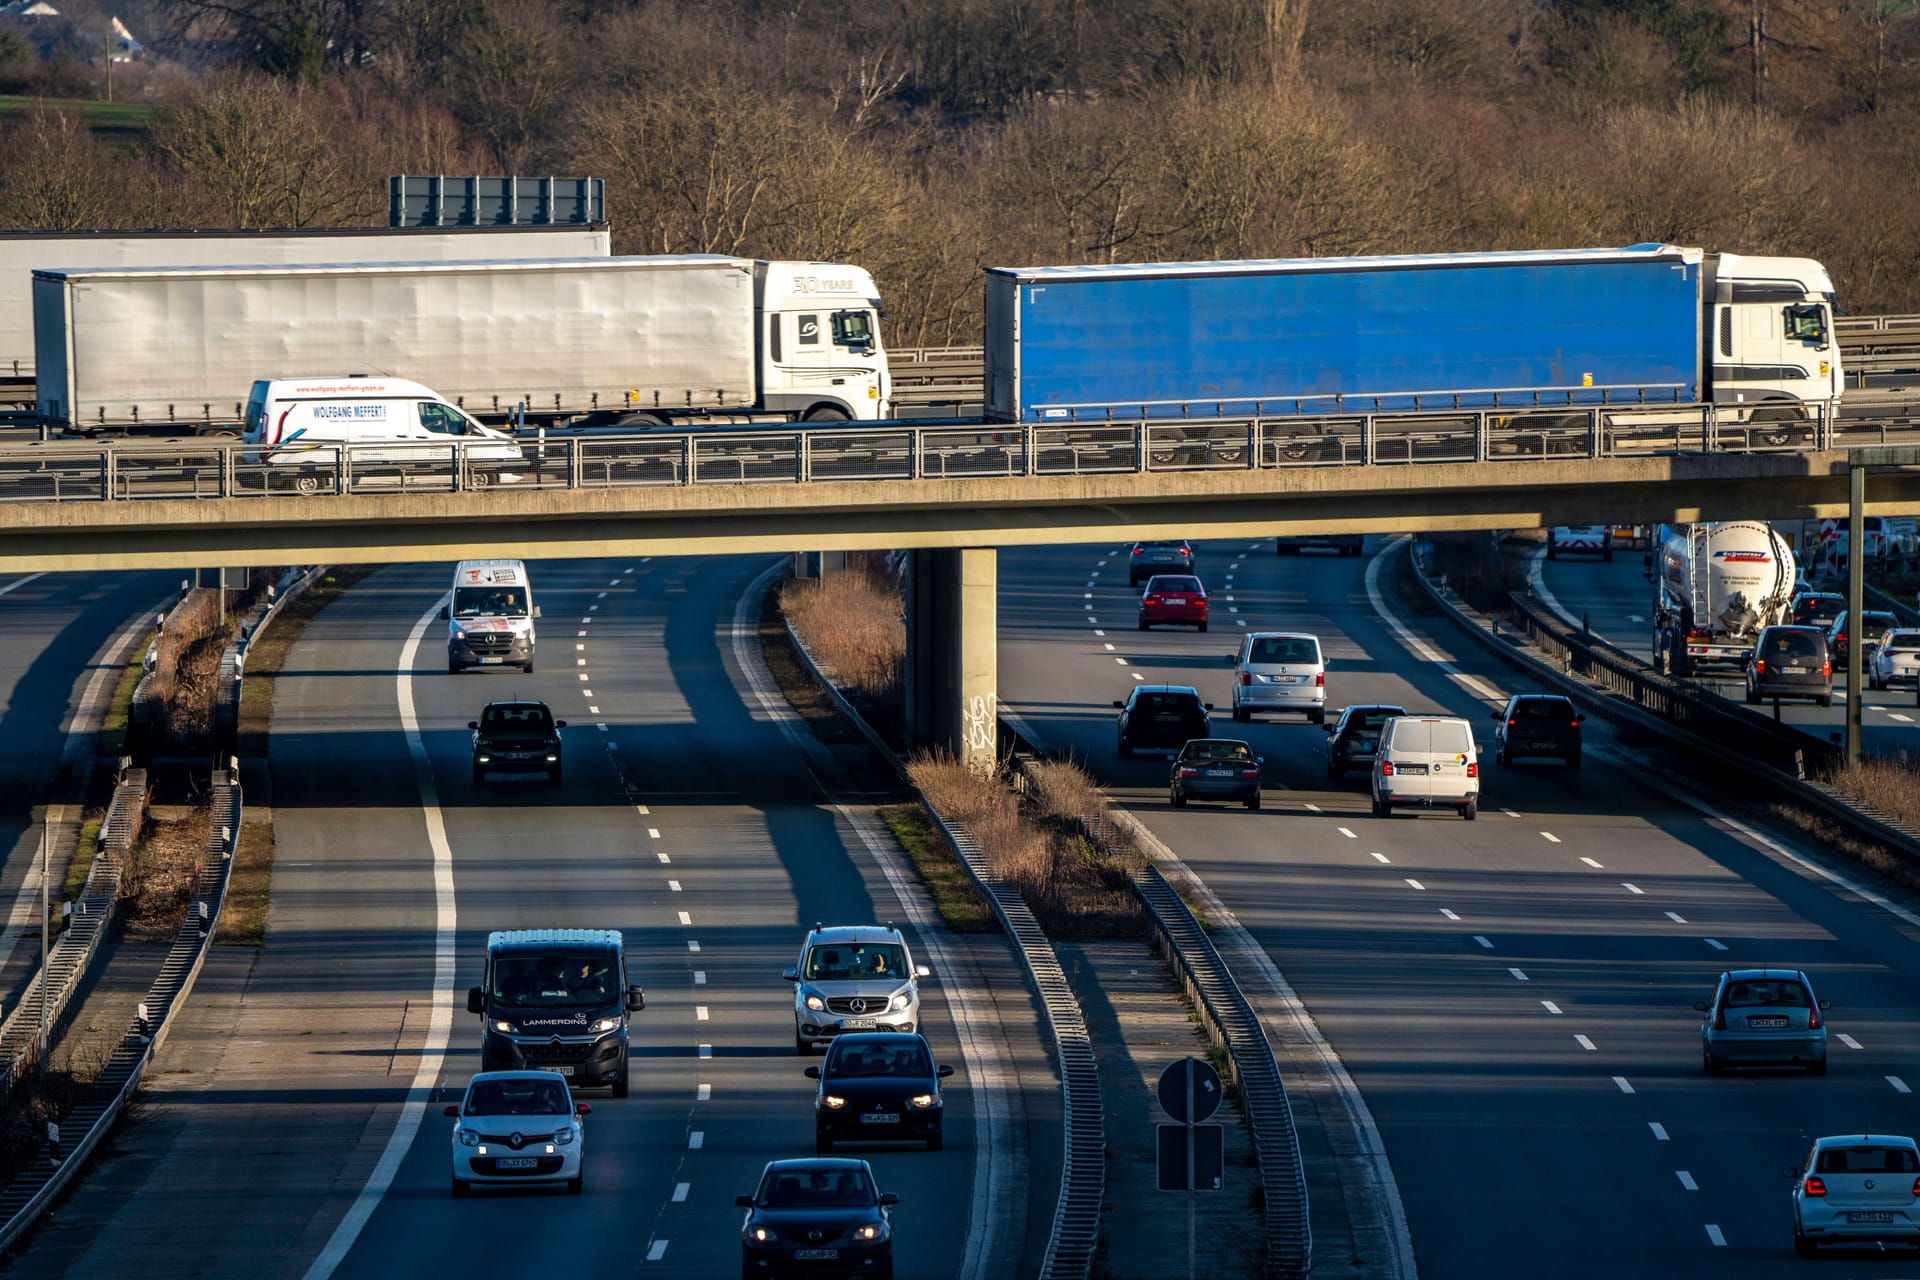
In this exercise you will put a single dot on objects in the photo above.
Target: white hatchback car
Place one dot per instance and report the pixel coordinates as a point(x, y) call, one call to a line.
point(516, 1128)
point(1862, 1188)
point(1895, 659)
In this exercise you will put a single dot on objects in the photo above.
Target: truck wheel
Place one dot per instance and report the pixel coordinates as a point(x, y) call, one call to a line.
point(826, 413)
point(1826, 700)
point(1253, 801)
point(1241, 715)
point(1203, 626)
point(479, 776)
point(553, 775)
point(1175, 799)
point(478, 480)
point(1470, 810)
point(454, 668)
point(1125, 748)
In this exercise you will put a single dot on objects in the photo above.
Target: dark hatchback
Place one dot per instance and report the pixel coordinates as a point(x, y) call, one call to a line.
point(822, 1216)
point(1791, 662)
point(1540, 725)
point(1353, 739)
point(1215, 769)
point(516, 737)
point(1162, 717)
point(878, 1087)
point(1149, 558)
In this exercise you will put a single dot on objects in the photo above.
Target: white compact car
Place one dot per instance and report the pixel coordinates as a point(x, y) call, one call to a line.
point(1895, 659)
point(1861, 1189)
point(1426, 762)
point(518, 1128)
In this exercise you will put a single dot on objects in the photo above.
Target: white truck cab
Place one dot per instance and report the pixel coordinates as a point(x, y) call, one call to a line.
point(1772, 333)
point(490, 617)
point(819, 342)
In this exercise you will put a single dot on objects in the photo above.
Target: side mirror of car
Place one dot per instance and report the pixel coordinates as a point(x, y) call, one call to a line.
point(444, 614)
point(1207, 706)
point(1119, 704)
point(1497, 715)
point(1580, 718)
point(1790, 1172)
point(636, 998)
point(582, 1109)
point(473, 724)
point(452, 1112)
point(921, 971)
point(791, 975)
point(1700, 1006)
point(812, 1073)
point(476, 1000)
point(745, 1202)
point(1259, 759)
point(536, 611)
point(1329, 728)
point(944, 1072)
point(1826, 1004)
point(1233, 659)
point(888, 1199)
point(559, 724)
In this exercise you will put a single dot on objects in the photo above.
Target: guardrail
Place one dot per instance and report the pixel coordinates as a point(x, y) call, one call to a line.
point(87, 1125)
point(127, 470)
point(233, 660)
point(1076, 1217)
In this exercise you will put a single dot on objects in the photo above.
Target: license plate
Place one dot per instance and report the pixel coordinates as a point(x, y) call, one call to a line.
point(558, 1071)
point(1409, 768)
point(859, 1024)
point(1766, 1024)
point(815, 1255)
point(1219, 773)
point(1793, 671)
point(1539, 746)
point(492, 660)
point(1287, 679)
point(516, 1162)
point(1862, 1216)
point(879, 1118)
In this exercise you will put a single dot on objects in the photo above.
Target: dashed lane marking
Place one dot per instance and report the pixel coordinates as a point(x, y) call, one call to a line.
point(699, 977)
point(700, 1013)
point(1676, 917)
point(680, 1190)
point(1448, 914)
point(1383, 858)
point(1551, 838)
point(1622, 1082)
point(1416, 884)
point(693, 944)
point(656, 1251)
point(1550, 1007)
point(1849, 1041)
point(1716, 944)
point(1899, 1085)
point(686, 917)
point(1713, 1234)
point(1590, 862)
point(706, 1090)
point(1659, 1131)
point(1483, 940)
point(1518, 975)
point(1347, 833)
point(1686, 1180)
point(673, 886)
point(1584, 1043)
point(1632, 888)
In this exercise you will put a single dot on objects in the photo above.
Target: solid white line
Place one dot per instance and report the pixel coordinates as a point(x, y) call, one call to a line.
point(1659, 1131)
point(1584, 1043)
point(1448, 914)
point(1849, 1041)
point(1551, 838)
point(1899, 1085)
point(656, 1251)
point(1416, 884)
point(1716, 944)
point(1590, 862)
point(1518, 976)
point(1420, 648)
point(1632, 888)
point(1383, 858)
point(1347, 833)
point(1539, 588)
point(1713, 1234)
point(680, 1190)
point(17, 584)
point(1676, 917)
point(1482, 940)
point(440, 1021)
point(1622, 1082)
point(1686, 1180)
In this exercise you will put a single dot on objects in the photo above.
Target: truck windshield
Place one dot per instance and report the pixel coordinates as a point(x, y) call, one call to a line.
point(489, 602)
point(557, 980)
point(1807, 323)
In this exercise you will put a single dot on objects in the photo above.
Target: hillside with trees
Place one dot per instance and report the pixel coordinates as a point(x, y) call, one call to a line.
point(927, 138)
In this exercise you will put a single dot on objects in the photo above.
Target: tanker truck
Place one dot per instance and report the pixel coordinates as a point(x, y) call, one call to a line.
point(1714, 587)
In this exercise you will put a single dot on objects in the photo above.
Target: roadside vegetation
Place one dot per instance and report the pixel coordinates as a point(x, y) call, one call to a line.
point(243, 916)
point(852, 621)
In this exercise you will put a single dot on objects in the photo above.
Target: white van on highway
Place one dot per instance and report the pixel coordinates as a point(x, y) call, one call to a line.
point(1429, 762)
point(490, 617)
point(378, 420)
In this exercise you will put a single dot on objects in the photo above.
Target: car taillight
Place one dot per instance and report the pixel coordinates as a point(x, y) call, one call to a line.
point(1186, 551)
point(1916, 1188)
point(1813, 1017)
point(1719, 1019)
point(1473, 768)
point(1186, 772)
point(1138, 550)
point(1320, 681)
point(1246, 677)
point(1249, 773)
point(1759, 666)
point(1511, 723)
point(1826, 668)
point(1386, 768)
point(1573, 724)
point(1814, 1187)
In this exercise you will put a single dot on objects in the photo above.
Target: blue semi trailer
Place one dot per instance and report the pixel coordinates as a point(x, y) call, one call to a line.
point(1648, 325)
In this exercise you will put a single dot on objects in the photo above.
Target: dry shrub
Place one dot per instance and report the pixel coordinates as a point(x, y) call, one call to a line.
point(852, 622)
point(162, 876)
point(186, 668)
point(1888, 784)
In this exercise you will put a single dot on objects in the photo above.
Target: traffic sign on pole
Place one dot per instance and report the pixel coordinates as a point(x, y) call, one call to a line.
point(1172, 1090)
point(1209, 1157)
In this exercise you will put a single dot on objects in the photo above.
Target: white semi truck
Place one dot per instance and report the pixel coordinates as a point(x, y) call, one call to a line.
point(628, 341)
point(24, 252)
point(1715, 586)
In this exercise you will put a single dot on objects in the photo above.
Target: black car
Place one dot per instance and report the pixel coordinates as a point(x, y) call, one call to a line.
point(516, 737)
point(1355, 736)
point(1149, 558)
point(878, 1086)
point(1215, 769)
point(1164, 716)
point(1817, 608)
point(1790, 662)
point(817, 1216)
point(1874, 624)
point(1538, 724)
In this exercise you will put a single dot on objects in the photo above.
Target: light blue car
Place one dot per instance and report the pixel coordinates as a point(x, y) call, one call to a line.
point(1763, 1018)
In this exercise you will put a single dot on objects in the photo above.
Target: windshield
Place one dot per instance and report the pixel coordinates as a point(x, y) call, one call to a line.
point(533, 719)
point(489, 602)
point(1763, 993)
point(1284, 649)
point(518, 1098)
point(1168, 583)
point(1209, 750)
point(569, 980)
point(879, 1060)
point(853, 328)
point(1374, 718)
point(849, 961)
point(1542, 709)
point(816, 1189)
point(1167, 703)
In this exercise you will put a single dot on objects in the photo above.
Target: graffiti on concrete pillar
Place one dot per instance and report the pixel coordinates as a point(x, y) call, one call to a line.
point(977, 726)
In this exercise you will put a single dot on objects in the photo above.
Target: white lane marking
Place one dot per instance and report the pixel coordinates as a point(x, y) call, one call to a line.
point(1095, 624)
point(653, 833)
point(673, 886)
point(586, 693)
point(625, 571)
point(1584, 1043)
point(1551, 838)
point(1510, 813)
point(1903, 719)
point(1686, 1180)
point(1137, 676)
point(1483, 941)
point(1518, 976)
point(704, 1050)
point(1107, 647)
point(686, 917)
point(1347, 833)
point(699, 977)
point(662, 855)
point(1448, 914)
point(1383, 858)
point(693, 944)
point(1088, 596)
point(593, 608)
point(700, 1013)
point(1849, 1041)
point(705, 1093)
point(1550, 1007)
point(1676, 917)
point(601, 596)
point(1632, 888)
point(656, 1251)
point(580, 633)
point(1100, 633)
point(1899, 1085)
point(696, 1140)
point(642, 810)
point(1590, 862)
point(440, 1022)
point(580, 662)
point(1659, 1131)
point(1713, 1234)
point(16, 585)
point(1123, 662)
point(1314, 808)
point(584, 622)
point(1420, 648)
point(584, 676)
point(1230, 600)
point(1622, 1082)
point(1715, 943)
point(1633, 617)
point(594, 711)
point(577, 648)
point(1416, 884)
point(680, 1190)
point(1231, 609)
point(1239, 622)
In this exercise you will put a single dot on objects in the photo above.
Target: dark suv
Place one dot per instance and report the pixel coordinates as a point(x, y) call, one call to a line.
point(1163, 716)
point(1791, 662)
point(516, 737)
point(1355, 736)
point(1538, 724)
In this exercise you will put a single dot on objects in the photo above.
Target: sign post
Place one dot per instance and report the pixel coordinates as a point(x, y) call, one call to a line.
point(1191, 1155)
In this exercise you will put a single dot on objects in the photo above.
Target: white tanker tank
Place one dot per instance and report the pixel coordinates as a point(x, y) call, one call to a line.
point(1715, 586)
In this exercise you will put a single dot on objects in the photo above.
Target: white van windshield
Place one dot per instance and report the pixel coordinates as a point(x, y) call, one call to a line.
point(489, 602)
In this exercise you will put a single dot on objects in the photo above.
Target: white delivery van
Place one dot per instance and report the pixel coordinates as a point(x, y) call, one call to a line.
point(1429, 762)
point(490, 618)
point(306, 421)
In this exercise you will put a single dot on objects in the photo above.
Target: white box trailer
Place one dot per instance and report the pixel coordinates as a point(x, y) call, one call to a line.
point(642, 340)
point(24, 252)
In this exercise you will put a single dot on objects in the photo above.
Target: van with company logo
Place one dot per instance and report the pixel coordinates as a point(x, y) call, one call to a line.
point(557, 1000)
point(490, 616)
point(1427, 762)
point(307, 422)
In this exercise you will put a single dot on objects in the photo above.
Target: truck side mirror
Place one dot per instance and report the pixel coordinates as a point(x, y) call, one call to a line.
point(476, 1000)
point(636, 999)
point(443, 613)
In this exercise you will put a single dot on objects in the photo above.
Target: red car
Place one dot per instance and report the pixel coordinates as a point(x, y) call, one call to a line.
point(1173, 598)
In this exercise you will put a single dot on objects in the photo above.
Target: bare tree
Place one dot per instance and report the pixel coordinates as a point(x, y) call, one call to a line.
point(57, 177)
point(264, 153)
point(512, 81)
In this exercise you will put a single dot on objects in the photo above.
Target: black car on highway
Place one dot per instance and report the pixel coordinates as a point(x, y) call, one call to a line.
point(1148, 558)
point(1355, 736)
point(1162, 716)
point(516, 737)
point(815, 1217)
point(1540, 725)
point(1215, 769)
point(878, 1086)
point(1791, 663)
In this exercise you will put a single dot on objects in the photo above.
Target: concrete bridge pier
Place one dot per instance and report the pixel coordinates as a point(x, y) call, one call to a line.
point(953, 669)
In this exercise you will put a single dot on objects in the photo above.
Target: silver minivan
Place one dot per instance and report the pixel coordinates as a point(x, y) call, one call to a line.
point(1279, 671)
point(1428, 762)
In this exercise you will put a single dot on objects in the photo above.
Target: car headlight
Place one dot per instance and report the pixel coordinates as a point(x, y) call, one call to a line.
point(468, 1138)
point(552, 758)
point(870, 1231)
point(901, 999)
point(458, 634)
point(605, 1024)
point(815, 1003)
point(503, 1025)
point(831, 1103)
point(563, 1138)
point(760, 1235)
point(484, 759)
point(924, 1100)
